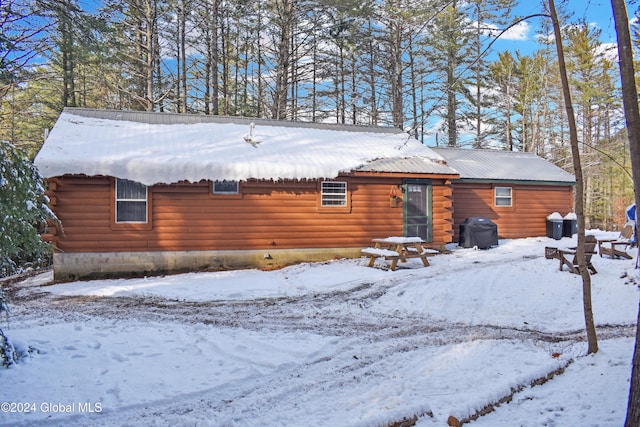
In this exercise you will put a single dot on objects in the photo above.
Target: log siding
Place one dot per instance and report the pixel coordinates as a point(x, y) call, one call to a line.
point(264, 215)
point(526, 217)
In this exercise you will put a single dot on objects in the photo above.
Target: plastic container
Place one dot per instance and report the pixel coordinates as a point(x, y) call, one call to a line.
point(569, 225)
point(554, 226)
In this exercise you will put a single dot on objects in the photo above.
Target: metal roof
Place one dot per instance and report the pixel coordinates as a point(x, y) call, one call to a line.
point(408, 165)
point(486, 164)
point(152, 148)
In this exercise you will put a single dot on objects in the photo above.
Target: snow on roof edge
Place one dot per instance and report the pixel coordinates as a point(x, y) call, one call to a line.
point(160, 148)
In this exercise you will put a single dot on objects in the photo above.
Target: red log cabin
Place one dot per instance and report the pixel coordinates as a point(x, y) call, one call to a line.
point(147, 193)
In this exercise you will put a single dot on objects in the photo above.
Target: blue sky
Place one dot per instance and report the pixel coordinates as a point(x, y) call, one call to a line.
point(594, 12)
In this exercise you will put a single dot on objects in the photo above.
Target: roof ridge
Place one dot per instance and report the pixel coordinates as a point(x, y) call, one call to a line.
point(485, 150)
point(153, 117)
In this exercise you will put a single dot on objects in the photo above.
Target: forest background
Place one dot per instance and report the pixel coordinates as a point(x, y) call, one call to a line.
point(429, 67)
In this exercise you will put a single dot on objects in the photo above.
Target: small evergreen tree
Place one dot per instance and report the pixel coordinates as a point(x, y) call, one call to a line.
point(23, 213)
point(7, 351)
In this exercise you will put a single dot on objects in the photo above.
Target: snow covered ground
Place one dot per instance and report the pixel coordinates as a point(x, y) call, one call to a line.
point(327, 344)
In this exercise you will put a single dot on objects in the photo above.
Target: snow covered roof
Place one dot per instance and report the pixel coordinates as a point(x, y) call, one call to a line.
point(500, 165)
point(164, 148)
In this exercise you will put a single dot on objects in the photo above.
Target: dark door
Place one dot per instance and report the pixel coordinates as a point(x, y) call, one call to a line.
point(417, 209)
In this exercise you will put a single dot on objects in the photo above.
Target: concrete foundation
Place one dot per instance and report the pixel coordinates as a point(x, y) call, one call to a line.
point(94, 265)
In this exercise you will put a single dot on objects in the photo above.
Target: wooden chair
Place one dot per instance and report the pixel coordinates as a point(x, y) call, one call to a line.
point(625, 240)
point(569, 256)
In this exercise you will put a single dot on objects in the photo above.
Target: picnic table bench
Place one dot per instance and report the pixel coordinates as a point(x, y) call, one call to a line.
point(396, 249)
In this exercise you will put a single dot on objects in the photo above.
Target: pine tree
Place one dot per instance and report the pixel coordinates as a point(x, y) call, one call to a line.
point(23, 211)
point(488, 15)
point(7, 351)
point(503, 74)
point(590, 72)
point(449, 45)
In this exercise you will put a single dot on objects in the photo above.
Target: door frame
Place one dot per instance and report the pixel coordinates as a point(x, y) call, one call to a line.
point(427, 183)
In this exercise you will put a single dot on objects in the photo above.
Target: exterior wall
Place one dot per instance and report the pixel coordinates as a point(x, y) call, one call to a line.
point(443, 213)
point(527, 216)
point(265, 217)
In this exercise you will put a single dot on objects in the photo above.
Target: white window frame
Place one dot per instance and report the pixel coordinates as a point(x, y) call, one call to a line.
point(135, 200)
point(333, 194)
point(235, 191)
point(502, 197)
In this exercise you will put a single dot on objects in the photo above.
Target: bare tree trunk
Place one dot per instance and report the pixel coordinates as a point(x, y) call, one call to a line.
point(414, 90)
point(372, 81)
point(632, 116)
point(260, 99)
point(178, 54)
point(149, 49)
point(451, 104)
point(397, 111)
point(225, 32)
point(285, 12)
point(158, 70)
point(314, 73)
point(67, 50)
point(508, 116)
point(478, 141)
point(354, 106)
point(341, 91)
point(294, 72)
point(592, 339)
point(209, 49)
point(183, 53)
point(215, 58)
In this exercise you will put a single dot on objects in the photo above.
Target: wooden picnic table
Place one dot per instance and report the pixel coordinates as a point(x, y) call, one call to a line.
point(398, 249)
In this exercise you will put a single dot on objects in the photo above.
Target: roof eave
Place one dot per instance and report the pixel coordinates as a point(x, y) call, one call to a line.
point(514, 181)
point(381, 174)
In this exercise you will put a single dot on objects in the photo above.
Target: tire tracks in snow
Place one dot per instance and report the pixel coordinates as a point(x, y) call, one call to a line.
point(367, 339)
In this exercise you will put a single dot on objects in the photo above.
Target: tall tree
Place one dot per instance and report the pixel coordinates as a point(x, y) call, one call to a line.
point(632, 117)
point(283, 13)
point(488, 15)
point(503, 73)
point(592, 339)
point(77, 36)
point(136, 23)
point(449, 48)
point(586, 65)
point(22, 38)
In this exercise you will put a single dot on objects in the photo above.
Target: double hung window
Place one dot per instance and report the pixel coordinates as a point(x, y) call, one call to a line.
point(503, 196)
point(131, 202)
point(333, 194)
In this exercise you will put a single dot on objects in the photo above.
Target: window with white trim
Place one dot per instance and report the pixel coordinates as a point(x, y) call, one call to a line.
point(226, 187)
point(131, 202)
point(503, 196)
point(333, 193)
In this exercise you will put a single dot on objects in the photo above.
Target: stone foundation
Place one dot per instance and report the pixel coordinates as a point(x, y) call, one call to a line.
point(94, 265)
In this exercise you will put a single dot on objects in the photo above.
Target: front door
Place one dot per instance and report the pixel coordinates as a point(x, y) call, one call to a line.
point(417, 209)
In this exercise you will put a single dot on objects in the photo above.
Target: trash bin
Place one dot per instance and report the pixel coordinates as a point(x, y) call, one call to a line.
point(554, 226)
point(478, 232)
point(569, 225)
